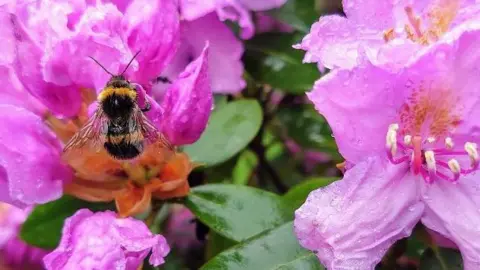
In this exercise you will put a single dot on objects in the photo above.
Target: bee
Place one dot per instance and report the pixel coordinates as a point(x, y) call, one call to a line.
point(119, 124)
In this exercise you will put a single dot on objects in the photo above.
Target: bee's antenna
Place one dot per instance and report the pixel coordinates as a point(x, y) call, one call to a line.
point(101, 65)
point(130, 62)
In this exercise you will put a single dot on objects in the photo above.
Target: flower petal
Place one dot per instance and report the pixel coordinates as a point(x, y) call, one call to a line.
point(234, 11)
point(359, 109)
point(30, 156)
point(256, 5)
point(372, 13)
point(187, 103)
point(192, 10)
point(351, 223)
point(451, 209)
point(224, 58)
point(62, 100)
point(155, 33)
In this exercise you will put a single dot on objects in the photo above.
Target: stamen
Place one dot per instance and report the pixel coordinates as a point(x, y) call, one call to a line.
point(430, 159)
point(389, 35)
point(455, 168)
point(417, 154)
point(431, 139)
point(407, 139)
point(471, 149)
point(414, 21)
point(449, 143)
point(391, 140)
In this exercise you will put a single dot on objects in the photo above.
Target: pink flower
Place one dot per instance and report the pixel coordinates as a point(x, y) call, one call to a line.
point(412, 136)
point(234, 10)
point(103, 241)
point(14, 253)
point(50, 82)
point(386, 32)
point(180, 229)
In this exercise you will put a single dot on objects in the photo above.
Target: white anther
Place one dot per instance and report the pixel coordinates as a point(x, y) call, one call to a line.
point(454, 166)
point(431, 139)
point(407, 139)
point(449, 143)
point(392, 138)
point(430, 159)
point(471, 149)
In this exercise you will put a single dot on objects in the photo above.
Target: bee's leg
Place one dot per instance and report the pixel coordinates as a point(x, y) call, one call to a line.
point(163, 79)
point(147, 106)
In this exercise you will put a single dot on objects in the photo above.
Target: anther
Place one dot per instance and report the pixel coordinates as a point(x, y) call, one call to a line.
point(431, 139)
point(430, 160)
point(391, 140)
point(454, 166)
point(449, 143)
point(471, 149)
point(407, 139)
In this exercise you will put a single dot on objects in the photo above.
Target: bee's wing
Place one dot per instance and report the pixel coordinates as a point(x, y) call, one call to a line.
point(150, 133)
point(91, 134)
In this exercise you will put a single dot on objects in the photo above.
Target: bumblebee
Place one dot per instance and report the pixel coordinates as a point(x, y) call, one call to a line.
point(118, 123)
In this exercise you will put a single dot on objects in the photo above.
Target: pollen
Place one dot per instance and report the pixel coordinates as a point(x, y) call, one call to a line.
point(434, 115)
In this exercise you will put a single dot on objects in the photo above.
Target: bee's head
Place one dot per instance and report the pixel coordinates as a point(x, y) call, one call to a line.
point(118, 81)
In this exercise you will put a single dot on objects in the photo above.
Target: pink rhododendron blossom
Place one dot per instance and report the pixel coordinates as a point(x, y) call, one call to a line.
point(225, 67)
point(386, 32)
point(50, 82)
point(180, 229)
point(234, 10)
point(412, 136)
point(103, 241)
point(14, 253)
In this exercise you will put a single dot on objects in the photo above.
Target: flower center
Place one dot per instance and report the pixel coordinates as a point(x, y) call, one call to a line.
point(427, 125)
point(157, 172)
point(439, 17)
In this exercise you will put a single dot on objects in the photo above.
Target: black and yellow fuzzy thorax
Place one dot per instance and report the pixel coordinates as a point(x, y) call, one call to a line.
point(123, 139)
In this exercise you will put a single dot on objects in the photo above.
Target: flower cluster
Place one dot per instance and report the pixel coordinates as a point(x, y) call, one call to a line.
point(402, 100)
point(185, 53)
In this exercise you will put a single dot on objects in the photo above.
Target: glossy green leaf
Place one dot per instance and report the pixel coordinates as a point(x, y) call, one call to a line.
point(44, 225)
point(243, 170)
point(441, 259)
point(297, 195)
point(230, 129)
point(300, 14)
point(216, 244)
point(307, 128)
point(236, 212)
point(274, 249)
point(271, 59)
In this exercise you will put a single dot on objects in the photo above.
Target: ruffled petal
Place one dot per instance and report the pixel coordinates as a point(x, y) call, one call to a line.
point(234, 11)
point(225, 52)
point(192, 10)
point(30, 156)
point(62, 100)
point(373, 14)
point(451, 209)
point(359, 105)
point(156, 33)
point(187, 103)
point(351, 223)
point(256, 5)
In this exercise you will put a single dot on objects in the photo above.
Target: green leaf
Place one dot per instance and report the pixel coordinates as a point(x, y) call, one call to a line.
point(216, 244)
point(297, 195)
point(300, 14)
point(270, 59)
point(44, 225)
point(231, 128)
point(273, 249)
point(236, 212)
point(441, 259)
point(307, 128)
point(246, 164)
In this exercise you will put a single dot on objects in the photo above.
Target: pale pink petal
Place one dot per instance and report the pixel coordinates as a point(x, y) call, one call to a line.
point(192, 10)
point(373, 14)
point(256, 5)
point(62, 100)
point(187, 103)
point(452, 209)
point(351, 223)
point(359, 108)
point(30, 157)
point(225, 52)
point(155, 33)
